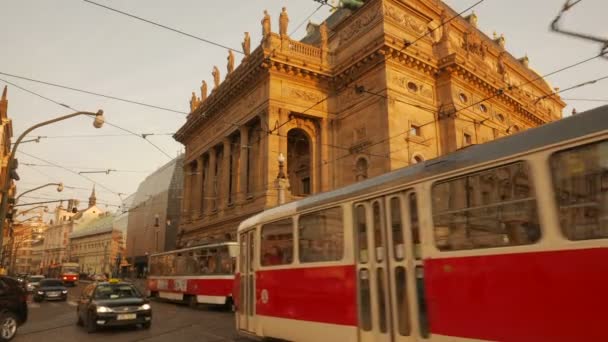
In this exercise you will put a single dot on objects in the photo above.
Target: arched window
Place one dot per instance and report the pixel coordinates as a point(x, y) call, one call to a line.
point(361, 169)
point(299, 151)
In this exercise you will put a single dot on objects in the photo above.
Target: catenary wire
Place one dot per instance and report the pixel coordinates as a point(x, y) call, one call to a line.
point(164, 26)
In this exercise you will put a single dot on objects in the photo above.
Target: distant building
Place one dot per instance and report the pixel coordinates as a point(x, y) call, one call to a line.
point(66, 221)
point(154, 214)
point(20, 246)
point(6, 133)
point(96, 245)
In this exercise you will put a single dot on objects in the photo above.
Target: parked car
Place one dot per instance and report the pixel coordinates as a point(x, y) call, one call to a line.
point(13, 307)
point(51, 289)
point(33, 282)
point(112, 303)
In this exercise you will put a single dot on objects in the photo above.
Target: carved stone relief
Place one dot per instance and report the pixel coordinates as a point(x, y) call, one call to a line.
point(404, 20)
point(302, 94)
point(353, 30)
point(412, 85)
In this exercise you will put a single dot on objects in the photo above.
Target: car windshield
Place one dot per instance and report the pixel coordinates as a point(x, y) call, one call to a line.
point(51, 282)
point(116, 291)
point(35, 279)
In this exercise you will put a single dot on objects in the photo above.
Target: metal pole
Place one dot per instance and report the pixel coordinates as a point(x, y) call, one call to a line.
point(11, 158)
point(40, 187)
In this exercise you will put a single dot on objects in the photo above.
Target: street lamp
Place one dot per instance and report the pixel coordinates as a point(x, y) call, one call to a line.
point(59, 189)
point(12, 162)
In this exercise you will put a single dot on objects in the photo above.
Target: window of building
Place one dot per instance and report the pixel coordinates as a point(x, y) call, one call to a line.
point(463, 220)
point(463, 98)
point(417, 159)
point(321, 236)
point(415, 130)
point(580, 179)
point(306, 186)
point(361, 169)
point(277, 243)
point(483, 108)
point(500, 117)
point(411, 86)
point(468, 139)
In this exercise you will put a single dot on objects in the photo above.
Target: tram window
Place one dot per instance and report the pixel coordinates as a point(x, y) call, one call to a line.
point(580, 179)
point(277, 243)
point(463, 219)
point(365, 301)
point(397, 228)
point(321, 236)
point(381, 300)
point(415, 226)
point(361, 226)
point(403, 305)
point(378, 227)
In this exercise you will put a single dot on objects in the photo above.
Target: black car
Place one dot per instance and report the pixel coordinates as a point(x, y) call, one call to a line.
point(51, 289)
point(13, 307)
point(113, 304)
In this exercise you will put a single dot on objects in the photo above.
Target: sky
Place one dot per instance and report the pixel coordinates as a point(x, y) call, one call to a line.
point(74, 43)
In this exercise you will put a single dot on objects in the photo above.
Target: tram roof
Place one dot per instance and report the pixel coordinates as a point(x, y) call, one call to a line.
point(589, 122)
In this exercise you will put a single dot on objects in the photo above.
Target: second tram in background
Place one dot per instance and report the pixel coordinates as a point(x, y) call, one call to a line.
point(68, 272)
point(196, 275)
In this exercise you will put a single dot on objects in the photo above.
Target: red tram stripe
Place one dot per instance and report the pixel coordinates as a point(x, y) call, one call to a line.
point(319, 294)
point(540, 296)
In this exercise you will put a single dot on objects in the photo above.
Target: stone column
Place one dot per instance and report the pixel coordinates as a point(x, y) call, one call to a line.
point(241, 185)
point(198, 188)
point(225, 176)
point(210, 186)
point(186, 193)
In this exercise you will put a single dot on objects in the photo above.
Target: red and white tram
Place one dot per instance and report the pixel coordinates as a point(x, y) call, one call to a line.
point(505, 241)
point(196, 275)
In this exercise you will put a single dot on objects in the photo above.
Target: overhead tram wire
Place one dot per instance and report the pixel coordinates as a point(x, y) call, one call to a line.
point(164, 26)
point(70, 171)
point(106, 122)
point(84, 92)
point(585, 100)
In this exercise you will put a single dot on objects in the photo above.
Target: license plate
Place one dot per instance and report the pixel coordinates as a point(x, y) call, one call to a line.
point(124, 317)
point(53, 294)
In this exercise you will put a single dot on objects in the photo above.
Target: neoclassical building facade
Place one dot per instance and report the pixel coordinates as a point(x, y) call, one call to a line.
point(367, 91)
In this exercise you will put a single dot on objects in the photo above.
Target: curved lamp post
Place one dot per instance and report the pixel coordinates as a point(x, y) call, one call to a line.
point(97, 123)
point(59, 189)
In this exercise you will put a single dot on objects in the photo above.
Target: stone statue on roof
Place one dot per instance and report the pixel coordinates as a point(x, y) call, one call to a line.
point(203, 91)
point(216, 77)
point(194, 102)
point(230, 65)
point(324, 35)
point(266, 29)
point(283, 22)
point(246, 44)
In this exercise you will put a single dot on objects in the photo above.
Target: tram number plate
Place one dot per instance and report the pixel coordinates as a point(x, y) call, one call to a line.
point(124, 317)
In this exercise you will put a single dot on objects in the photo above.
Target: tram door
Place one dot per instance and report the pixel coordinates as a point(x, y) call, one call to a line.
point(246, 309)
point(389, 270)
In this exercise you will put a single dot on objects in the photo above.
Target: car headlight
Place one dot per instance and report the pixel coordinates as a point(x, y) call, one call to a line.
point(64, 291)
point(40, 292)
point(103, 309)
point(145, 307)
